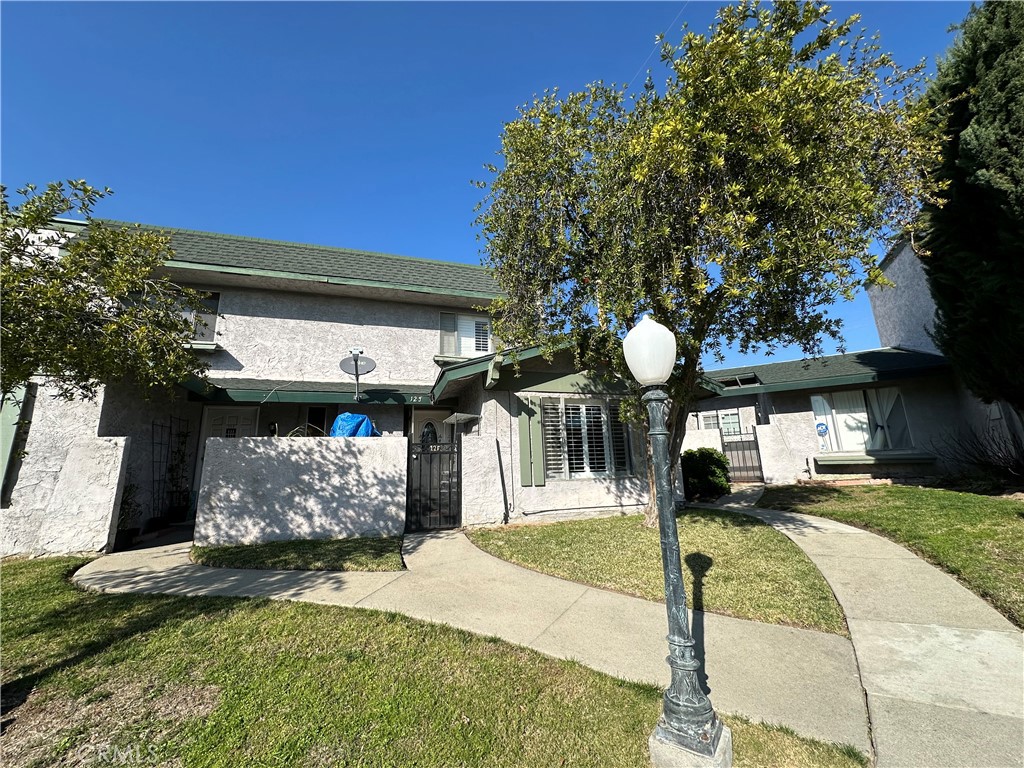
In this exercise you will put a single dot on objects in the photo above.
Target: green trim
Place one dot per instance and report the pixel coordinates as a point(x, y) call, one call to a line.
point(568, 383)
point(494, 371)
point(874, 457)
point(371, 394)
point(525, 470)
point(474, 366)
point(835, 381)
point(300, 276)
point(10, 417)
point(536, 443)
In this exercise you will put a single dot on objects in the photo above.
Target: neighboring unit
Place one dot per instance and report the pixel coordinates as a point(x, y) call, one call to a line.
point(898, 411)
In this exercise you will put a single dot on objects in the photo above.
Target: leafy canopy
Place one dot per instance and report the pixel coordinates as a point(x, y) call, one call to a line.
point(974, 243)
point(735, 204)
point(85, 309)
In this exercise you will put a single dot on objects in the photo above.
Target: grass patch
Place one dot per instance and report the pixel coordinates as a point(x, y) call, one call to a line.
point(745, 568)
point(230, 681)
point(360, 554)
point(977, 538)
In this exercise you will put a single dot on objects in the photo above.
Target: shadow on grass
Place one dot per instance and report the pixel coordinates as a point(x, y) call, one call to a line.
point(86, 627)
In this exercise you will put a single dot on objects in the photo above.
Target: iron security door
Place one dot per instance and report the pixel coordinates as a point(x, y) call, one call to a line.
point(435, 500)
point(744, 458)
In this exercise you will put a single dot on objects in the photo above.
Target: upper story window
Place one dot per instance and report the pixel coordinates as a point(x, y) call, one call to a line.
point(204, 323)
point(465, 335)
point(584, 438)
point(727, 421)
point(861, 420)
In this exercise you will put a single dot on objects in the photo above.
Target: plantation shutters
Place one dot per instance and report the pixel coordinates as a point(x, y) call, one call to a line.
point(576, 439)
point(465, 335)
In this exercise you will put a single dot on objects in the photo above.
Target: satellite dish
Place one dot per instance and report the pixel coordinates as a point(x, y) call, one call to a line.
point(357, 365)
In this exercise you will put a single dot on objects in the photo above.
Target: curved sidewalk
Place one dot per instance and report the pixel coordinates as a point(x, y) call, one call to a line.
point(942, 669)
point(803, 679)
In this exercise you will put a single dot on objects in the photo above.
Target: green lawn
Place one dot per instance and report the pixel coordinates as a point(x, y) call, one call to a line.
point(747, 569)
point(361, 554)
point(980, 539)
point(225, 682)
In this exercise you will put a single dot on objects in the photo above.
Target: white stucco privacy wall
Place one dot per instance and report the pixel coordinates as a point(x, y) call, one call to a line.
point(702, 438)
point(69, 481)
point(259, 489)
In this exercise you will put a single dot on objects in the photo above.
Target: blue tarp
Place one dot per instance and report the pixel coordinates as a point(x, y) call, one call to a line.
point(353, 425)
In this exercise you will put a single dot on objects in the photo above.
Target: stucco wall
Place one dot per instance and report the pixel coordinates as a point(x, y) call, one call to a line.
point(702, 438)
point(125, 412)
point(303, 337)
point(904, 312)
point(493, 446)
point(68, 484)
point(257, 489)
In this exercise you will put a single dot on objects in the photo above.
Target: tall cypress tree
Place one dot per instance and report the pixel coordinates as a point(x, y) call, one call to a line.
point(975, 242)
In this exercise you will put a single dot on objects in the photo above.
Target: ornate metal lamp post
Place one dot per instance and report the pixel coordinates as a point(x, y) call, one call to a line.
point(689, 733)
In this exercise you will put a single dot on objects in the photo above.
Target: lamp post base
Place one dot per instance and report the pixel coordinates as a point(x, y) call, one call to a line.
point(665, 755)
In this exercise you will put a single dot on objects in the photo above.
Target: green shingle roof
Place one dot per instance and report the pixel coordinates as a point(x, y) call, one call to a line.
point(884, 364)
point(341, 265)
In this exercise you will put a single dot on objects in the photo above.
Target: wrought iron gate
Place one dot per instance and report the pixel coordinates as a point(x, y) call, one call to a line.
point(434, 499)
point(744, 458)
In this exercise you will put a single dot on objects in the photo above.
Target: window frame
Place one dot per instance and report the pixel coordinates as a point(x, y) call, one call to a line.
point(207, 335)
point(607, 443)
point(457, 338)
point(835, 434)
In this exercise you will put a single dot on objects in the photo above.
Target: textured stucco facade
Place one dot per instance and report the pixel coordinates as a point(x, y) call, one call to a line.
point(68, 486)
point(904, 312)
point(285, 336)
point(262, 489)
point(493, 491)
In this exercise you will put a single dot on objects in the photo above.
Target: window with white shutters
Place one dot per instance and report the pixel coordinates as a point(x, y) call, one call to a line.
point(465, 335)
point(584, 438)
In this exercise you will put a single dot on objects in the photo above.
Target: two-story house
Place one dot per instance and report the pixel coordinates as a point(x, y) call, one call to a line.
point(542, 443)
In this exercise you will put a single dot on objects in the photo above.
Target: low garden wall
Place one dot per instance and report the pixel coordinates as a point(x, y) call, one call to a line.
point(258, 489)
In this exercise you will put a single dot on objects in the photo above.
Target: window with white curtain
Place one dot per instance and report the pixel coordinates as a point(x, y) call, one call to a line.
point(465, 335)
point(584, 438)
point(861, 420)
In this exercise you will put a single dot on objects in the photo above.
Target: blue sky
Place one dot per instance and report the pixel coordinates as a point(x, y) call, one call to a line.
point(350, 124)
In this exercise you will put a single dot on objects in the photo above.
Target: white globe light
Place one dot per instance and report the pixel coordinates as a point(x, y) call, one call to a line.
point(650, 350)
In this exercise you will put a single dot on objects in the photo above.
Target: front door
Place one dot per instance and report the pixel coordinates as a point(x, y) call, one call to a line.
point(428, 426)
point(237, 421)
point(434, 497)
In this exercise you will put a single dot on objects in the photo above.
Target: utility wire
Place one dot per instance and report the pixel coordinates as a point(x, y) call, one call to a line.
point(657, 46)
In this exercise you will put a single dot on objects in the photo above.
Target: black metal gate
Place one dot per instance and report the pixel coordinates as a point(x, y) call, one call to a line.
point(434, 498)
point(744, 458)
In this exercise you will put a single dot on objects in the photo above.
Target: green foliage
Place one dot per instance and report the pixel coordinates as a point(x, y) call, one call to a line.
point(81, 304)
point(736, 204)
point(705, 473)
point(974, 243)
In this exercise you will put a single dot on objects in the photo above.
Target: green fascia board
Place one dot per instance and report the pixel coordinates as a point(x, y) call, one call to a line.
point(877, 457)
point(499, 378)
point(371, 394)
point(835, 381)
point(299, 276)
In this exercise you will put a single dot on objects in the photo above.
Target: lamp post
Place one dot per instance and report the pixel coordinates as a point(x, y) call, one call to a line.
point(689, 733)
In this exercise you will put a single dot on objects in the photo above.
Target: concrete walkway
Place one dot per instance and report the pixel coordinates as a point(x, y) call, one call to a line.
point(942, 669)
point(806, 680)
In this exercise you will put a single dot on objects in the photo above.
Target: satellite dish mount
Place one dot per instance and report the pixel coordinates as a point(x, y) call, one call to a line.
point(357, 364)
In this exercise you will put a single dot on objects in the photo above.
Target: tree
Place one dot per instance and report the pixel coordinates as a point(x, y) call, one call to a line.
point(81, 304)
point(736, 204)
point(973, 243)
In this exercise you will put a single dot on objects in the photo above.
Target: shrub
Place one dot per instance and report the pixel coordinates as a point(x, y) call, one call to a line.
point(705, 473)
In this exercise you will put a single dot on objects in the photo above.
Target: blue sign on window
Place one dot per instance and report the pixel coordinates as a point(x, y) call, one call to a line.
point(822, 428)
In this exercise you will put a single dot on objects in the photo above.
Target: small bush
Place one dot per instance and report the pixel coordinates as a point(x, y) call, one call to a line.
point(705, 473)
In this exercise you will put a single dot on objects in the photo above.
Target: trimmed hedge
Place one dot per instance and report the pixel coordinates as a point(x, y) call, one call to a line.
point(705, 473)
